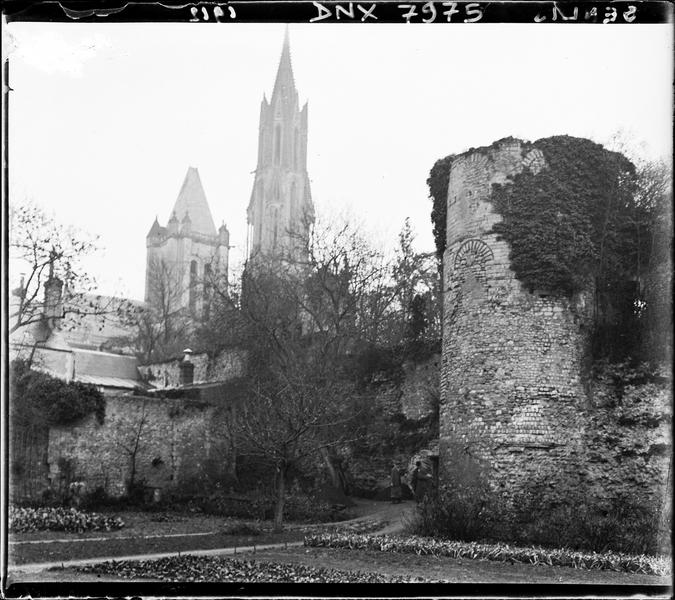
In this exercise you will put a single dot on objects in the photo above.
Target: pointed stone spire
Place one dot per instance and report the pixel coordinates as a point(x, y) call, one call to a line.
point(173, 223)
point(192, 199)
point(285, 82)
point(155, 229)
point(186, 224)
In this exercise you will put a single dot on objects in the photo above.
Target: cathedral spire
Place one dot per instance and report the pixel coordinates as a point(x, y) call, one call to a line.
point(192, 199)
point(280, 211)
point(285, 82)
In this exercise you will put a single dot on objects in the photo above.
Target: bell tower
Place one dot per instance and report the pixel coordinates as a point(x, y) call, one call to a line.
point(280, 212)
point(186, 258)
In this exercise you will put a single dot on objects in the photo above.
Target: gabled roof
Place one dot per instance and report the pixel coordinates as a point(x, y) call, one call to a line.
point(192, 200)
point(105, 364)
point(105, 369)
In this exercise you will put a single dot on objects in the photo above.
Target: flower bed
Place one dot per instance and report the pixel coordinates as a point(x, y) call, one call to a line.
point(207, 568)
point(648, 565)
point(23, 520)
point(362, 527)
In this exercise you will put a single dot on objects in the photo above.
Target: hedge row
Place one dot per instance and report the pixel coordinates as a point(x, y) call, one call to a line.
point(22, 520)
point(648, 565)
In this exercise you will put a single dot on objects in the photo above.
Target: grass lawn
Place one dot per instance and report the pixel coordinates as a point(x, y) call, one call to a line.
point(345, 565)
point(144, 532)
point(445, 569)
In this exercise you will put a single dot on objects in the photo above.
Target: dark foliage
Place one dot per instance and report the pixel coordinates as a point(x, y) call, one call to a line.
point(376, 364)
point(556, 513)
point(587, 221)
point(212, 569)
point(570, 221)
point(552, 512)
point(23, 520)
point(438, 192)
point(40, 399)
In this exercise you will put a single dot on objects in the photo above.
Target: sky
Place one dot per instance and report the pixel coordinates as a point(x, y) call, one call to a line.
point(105, 119)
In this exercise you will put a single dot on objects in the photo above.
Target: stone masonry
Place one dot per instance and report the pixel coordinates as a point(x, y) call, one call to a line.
point(226, 365)
point(512, 389)
point(178, 440)
point(515, 364)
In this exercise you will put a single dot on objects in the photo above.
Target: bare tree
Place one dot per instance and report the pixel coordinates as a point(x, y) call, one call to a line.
point(417, 284)
point(163, 327)
point(131, 443)
point(54, 283)
point(304, 318)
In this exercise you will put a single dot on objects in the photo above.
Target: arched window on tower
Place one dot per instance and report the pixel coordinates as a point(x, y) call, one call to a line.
point(277, 144)
point(296, 149)
point(193, 287)
point(276, 228)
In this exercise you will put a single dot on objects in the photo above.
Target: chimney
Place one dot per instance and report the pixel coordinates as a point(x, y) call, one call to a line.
point(53, 308)
point(187, 368)
point(224, 235)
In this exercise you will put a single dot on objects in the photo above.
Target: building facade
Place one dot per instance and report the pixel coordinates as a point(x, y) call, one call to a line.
point(185, 257)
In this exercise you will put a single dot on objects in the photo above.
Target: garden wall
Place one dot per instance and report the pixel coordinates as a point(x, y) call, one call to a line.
point(167, 441)
point(224, 366)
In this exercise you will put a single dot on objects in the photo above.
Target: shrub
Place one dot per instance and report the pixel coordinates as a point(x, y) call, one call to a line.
point(240, 528)
point(96, 498)
point(553, 511)
point(465, 510)
point(307, 509)
point(465, 513)
point(23, 520)
point(214, 568)
point(622, 524)
point(42, 400)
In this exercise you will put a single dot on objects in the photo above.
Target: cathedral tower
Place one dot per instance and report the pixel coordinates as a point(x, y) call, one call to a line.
point(185, 257)
point(280, 212)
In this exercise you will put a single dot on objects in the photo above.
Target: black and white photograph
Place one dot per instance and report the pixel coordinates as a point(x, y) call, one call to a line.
point(340, 299)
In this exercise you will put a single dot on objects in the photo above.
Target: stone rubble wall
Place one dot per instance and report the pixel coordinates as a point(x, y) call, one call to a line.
point(628, 444)
point(226, 365)
point(179, 439)
point(412, 402)
point(420, 389)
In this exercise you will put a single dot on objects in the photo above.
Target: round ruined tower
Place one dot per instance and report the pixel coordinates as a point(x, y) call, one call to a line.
point(512, 379)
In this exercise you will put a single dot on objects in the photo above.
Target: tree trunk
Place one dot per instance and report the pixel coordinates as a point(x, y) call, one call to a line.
point(281, 498)
point(334, 477)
